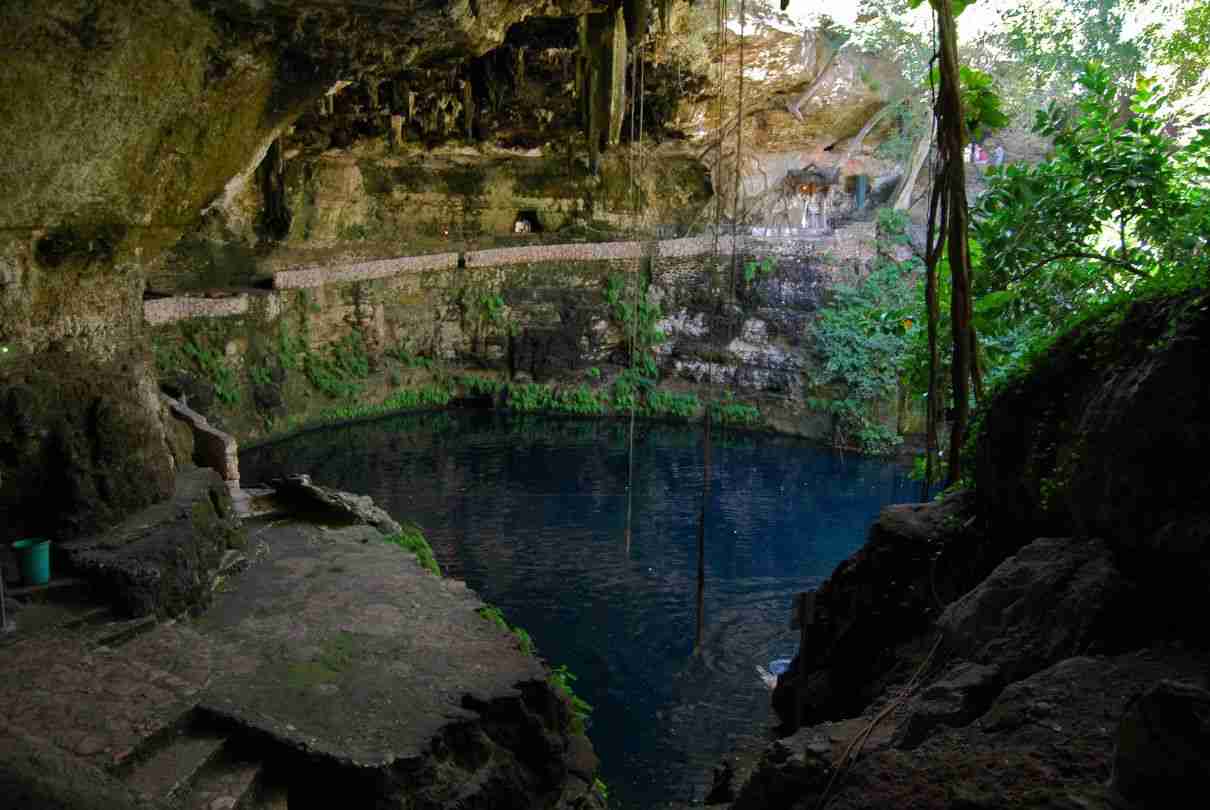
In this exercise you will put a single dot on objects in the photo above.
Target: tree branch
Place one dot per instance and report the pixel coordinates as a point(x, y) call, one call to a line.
point(1125, 265)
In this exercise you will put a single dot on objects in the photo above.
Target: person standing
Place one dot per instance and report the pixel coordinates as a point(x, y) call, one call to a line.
point(998, 155)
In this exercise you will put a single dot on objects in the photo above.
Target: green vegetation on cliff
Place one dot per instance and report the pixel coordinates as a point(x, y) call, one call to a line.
point(412, 539)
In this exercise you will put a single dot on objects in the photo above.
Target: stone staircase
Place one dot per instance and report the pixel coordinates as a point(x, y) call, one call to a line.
point(117, 698)
point(199, 767)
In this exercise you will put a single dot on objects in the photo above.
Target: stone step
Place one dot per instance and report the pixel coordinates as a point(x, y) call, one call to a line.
point(116, 633)
point(272, 795)
point(52, 589)
point(174, 766)
point(227, 782)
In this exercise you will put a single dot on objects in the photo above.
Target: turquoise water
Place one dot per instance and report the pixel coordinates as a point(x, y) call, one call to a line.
point(531, 512)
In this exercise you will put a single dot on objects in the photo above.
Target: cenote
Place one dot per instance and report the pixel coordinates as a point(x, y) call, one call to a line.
point(531, 512)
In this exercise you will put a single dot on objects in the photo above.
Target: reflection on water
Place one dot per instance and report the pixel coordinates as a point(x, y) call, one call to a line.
point(531, 512)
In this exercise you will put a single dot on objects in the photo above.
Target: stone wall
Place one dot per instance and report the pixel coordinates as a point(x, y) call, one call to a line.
point(530, 313)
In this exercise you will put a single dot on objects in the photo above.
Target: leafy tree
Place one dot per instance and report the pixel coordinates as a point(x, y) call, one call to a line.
point(1049, 42)
point(861, 337)
point(1118, 205)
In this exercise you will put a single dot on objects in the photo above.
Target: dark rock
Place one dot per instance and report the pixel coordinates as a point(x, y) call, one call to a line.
point(1049, 601)
point(1087, 442)
point(581, 760)
point(1047, 742)
point(722, 784)
point(36, 775)
point(192, 390)
point(81, 446)
point(790, 770)
point(180, 441)
point(959, 696)
point(917, 558)
point(302, 497)
point(163, 560)
point(1163, 746)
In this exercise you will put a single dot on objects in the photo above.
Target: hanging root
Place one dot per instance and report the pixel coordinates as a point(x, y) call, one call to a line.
point(853, 750)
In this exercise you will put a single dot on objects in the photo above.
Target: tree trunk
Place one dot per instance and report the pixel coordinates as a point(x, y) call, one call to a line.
point(951, 136)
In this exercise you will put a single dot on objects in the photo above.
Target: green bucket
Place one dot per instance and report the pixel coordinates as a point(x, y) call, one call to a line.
point(33, 554)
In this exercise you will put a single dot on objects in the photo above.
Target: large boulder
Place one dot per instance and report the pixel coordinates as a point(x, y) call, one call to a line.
point(918, 558)
point(1090, 443)
point(82, 445)
point(1049, 601)
point(163, 560)
point(1164, 746)
point(1090, 440)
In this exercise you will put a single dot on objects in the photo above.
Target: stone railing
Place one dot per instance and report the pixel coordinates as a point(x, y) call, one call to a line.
point(319, 275)
point(845, 242)
point(159, 311)
point(211, 447)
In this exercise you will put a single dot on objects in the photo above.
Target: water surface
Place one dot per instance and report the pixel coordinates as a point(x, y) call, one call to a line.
point(531, 512)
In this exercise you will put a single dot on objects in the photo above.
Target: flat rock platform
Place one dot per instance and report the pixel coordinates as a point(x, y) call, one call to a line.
point(341, 644)
point(331, 650)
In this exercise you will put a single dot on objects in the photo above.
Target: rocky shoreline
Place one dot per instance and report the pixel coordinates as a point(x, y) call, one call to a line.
point(1030, 641)
point(294, 656)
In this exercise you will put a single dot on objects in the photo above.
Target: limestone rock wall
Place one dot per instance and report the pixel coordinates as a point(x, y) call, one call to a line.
point(538, 313)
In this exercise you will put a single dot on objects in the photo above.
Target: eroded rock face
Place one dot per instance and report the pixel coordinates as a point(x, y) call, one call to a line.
point(1086, 441)
point(162, 560)
point(917, 558)
point(1163, 745)
point(1049, 601)
point(81, 445)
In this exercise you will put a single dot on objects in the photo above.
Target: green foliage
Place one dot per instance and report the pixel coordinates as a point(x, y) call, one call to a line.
point(205, 349)
point(1118, 211)
point(410, 399)
point(629, 387)
point(861, 338)
point(402, 354)
point(601, 788)
point(561, 679)
point(959, 5)
point(1050, 44)
point(412, 539)
point(637, 321)
point(1187, 49)
point(525, 641)
point(478, 386)
point(580, 401)
point(981, 104)
point(893, 226)
point(737, 414)
point(667, 404)
point(593, 373)
point(759, 267)
point(290, 348)
point(260, 375)
point(339, 371)
point(494, 615)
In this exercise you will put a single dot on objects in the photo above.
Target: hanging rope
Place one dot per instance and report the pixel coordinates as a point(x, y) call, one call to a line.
point(637, 79)
point(739, 155)
point(721, 22)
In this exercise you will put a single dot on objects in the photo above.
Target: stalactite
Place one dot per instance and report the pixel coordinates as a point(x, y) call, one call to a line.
point(275, 215)
point(637, 14)
point(519, 68)
point(603, 56)
point(617, 76)
point(468, 108)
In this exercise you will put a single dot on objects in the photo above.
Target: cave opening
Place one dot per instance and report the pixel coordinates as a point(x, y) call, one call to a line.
point(527, 222)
